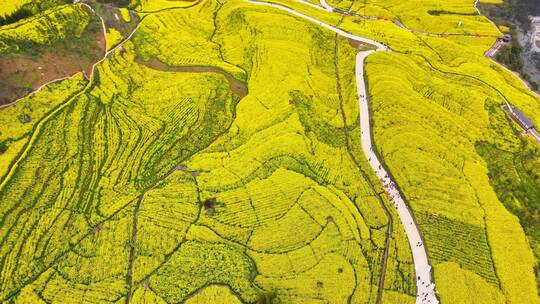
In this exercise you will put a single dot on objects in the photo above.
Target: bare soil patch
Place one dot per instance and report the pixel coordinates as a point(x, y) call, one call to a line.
point(360, 45)
point(21, 74)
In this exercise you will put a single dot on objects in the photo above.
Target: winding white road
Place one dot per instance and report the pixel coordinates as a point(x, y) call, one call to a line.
point(424, 286)
point(423, 277)
point(334, 29)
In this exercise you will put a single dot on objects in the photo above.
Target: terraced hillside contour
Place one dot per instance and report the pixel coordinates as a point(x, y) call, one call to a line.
point(190, 181)
point(222, 160)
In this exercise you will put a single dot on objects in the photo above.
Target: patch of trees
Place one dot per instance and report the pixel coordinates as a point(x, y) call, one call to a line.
point(513, 14)
point(3, 147)
point(510, 56)
point(269, 297)
point(511, 11)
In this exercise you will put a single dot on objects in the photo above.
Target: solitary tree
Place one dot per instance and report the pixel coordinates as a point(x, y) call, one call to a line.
point(268, 297)
point(3, 147)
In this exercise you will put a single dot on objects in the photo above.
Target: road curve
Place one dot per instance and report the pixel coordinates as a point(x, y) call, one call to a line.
point(334, 29)
point(325, 6)
point(423, 277)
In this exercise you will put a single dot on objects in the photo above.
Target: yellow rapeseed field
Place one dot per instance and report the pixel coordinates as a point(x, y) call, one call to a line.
point(9, 6)
point(212, 158)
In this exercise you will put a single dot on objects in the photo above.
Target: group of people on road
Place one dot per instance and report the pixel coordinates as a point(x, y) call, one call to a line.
point(424, 295)
point(425, 288)
point(390, 187)
point(391, 190)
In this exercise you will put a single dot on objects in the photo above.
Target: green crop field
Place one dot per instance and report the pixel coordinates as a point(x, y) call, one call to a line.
point(211, 154)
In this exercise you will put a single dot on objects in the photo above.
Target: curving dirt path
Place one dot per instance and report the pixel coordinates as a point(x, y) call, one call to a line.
point(423, 277)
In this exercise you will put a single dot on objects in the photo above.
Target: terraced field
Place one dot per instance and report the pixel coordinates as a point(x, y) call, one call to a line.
point(213, 155)
point(159, 196)
point(51, 43)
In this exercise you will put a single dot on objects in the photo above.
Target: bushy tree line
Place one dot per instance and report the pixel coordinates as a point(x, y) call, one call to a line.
point(513, 14)
point(511, 11)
